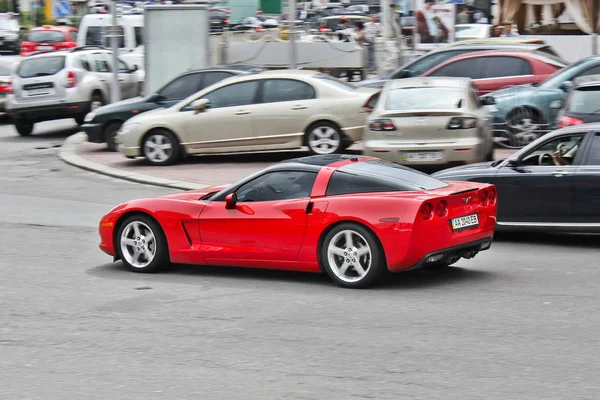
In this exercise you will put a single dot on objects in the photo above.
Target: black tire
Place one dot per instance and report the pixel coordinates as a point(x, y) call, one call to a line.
point(24, 127)
point(159, 249)
point(329, 131)
point(152, 157)
point(97, 101)
point(351, 278)
point(80, 119)
point(110, 134)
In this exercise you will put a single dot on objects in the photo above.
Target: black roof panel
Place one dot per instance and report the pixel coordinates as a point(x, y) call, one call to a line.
point(323, 160)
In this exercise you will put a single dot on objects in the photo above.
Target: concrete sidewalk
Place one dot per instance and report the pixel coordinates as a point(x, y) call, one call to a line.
point(193, 173)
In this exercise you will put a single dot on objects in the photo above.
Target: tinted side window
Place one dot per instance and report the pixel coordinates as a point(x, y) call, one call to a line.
point(594, 154)
point(210, 78)
point(460, 69)
point(277, 90)
point(280, 185)
point(237, 94)
point(100, 63)
point(592, 71)
point(428, 62)
point(181, 87)
point(347, 183)
point(139, 35)
point(496, 67)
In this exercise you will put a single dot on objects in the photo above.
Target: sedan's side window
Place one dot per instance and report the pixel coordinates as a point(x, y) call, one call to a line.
point(560, 151)
point(279, 185)
point(181, 87)
point(468, 68)
point(278, 90)
point(497, 67)
point(210, 78)
point(593, 157)
point(237, 94)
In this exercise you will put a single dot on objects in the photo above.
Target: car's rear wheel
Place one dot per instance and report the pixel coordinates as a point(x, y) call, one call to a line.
point(161, 147)
point(110, 135)
point(324, 138)
point(352, 256)
point(141, 244)
point(23, 127)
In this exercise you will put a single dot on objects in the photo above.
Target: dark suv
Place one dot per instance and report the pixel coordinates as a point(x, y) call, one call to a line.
point(103, 124)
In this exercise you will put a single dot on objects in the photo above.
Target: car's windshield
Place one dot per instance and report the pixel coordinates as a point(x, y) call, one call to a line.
point(419, 98)
point(562, 75)
point(585, 100)
point(9, 24)
point(43, 66)
point(46, 36)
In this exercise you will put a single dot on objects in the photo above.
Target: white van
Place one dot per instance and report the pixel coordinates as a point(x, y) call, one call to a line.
point(92, 31)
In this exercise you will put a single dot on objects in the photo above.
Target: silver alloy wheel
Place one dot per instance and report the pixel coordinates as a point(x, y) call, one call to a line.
point(324, 140)
point(96, 104)
point(138, 244)
point(349, 256)
point(158, 148)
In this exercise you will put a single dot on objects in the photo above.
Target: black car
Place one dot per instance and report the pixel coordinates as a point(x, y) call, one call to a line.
point(553, 184)
point(103, 124)
point(439, 56)
point(219, 17)
point(582, 104)
point(11, 33)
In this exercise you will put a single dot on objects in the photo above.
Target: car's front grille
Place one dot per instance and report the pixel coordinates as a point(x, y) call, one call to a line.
point(33, 86)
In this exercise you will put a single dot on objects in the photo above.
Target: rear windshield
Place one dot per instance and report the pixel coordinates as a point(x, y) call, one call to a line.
point(585, 101)
point(46, 37)
point(336, 82)
point(380, 176)
point(43, 66)
point(408, 99)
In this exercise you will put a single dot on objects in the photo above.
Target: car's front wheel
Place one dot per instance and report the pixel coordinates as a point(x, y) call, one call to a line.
point(24, 128)
point(161, 147)
point(352, 256)
point(141, 244)
point(110, 135)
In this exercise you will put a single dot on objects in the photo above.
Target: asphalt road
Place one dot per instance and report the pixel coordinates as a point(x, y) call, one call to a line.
point(519, 321)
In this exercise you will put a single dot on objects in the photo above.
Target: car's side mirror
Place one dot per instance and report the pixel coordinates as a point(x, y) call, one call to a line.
point(200, 105)
point(566, 86)
point(231, 201)
point(514, 162)
point(133, 69)
point(487, 101)
point(156, 97)
point(405, 73)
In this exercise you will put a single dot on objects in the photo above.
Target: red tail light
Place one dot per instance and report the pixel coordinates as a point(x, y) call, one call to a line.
point(441, 209)
point(260, 28)
point(569, 121)
point(382, 125)
point(462, 123)
point(225, 21)
point(6, 88)
point(484, 198)
point(370, 104)
point(322, 29)
point(227, 10)
point(426, 211)
point(493, 196)
point(71, 79)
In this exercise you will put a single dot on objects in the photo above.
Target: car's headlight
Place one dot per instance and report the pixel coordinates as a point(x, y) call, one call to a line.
point(12, 36)
point(90, 117)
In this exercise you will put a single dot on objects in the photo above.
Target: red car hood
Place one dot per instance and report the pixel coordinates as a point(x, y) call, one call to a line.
point(195, 195)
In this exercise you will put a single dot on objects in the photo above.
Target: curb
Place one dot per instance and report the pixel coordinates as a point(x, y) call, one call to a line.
point(68, 153)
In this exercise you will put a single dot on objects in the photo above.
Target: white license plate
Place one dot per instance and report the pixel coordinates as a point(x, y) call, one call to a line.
point(465, 222)
point(39, 92)
point(422, 156)
point(44, 48)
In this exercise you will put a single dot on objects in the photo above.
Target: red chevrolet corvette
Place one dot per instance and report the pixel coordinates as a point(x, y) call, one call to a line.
point(356, 218)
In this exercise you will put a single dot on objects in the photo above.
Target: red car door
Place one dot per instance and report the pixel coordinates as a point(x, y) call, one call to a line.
point(504, 71)
point(267, 222)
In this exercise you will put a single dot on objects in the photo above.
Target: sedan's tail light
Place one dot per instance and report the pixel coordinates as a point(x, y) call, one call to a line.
point(6, 87)
point(462, 123)
point(381, 125)
point(426, 211)
point(71, 79)
point(569, 121)
point(370, 104)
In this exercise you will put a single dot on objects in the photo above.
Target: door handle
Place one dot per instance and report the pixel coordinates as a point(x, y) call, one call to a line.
point(559, 174)
point(242, 113)
point(121, 80)
point(299, 108)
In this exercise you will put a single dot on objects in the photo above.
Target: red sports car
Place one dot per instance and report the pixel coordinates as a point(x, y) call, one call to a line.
point(356, 218)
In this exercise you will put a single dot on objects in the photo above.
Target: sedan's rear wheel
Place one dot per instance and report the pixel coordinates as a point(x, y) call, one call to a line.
point(161, 147)
point(324, 138)
point(352, 256)
point(141, 244)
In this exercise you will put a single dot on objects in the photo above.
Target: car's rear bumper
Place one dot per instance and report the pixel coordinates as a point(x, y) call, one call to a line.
point(49, 112)
point(95, 132)
point(462, 151)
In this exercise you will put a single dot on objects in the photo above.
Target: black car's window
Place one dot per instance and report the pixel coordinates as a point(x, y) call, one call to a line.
point(560, 151)
point(379, 176)
point(468, 68)
point(496, 67)
point(427, 62)
point(181, 87)
point(278, 90)
point(237, 94)
point(585, 100)
point(210, 78)
point(43, 66)
point(279, 185)
point(594, 154)
point(46, 36)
